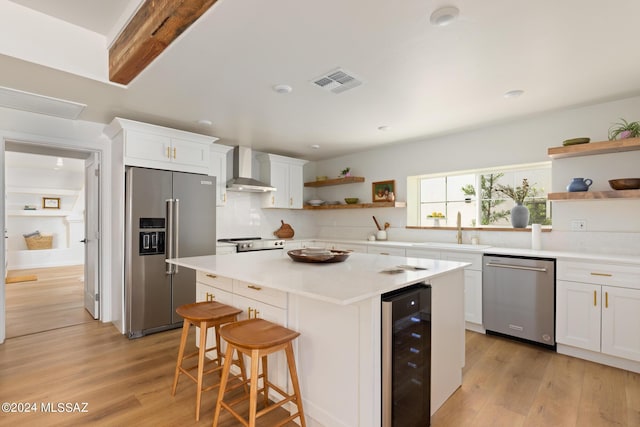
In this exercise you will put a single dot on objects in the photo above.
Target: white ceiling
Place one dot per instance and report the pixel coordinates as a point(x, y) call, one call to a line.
point(420, 80)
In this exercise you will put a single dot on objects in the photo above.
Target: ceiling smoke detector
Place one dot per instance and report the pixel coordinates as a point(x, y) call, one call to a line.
point(337, 81)
point(444, 16)
point(282, 88)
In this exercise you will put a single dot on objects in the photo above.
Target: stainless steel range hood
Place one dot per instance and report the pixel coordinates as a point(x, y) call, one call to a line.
point(242, 180)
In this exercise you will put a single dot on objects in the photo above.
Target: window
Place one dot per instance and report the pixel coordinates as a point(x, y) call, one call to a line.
point(435, 200)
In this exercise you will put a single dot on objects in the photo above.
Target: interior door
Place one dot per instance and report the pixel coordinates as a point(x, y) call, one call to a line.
point(92, 235)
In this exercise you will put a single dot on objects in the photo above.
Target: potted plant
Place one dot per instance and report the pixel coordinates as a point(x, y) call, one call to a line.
point(346, 172)
point(519, 213)
point(624, 129)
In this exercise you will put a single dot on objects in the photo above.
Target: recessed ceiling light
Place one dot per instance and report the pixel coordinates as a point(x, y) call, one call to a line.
point(444, 16)
point(282, 88)
point(205, 122)
point(315, 146)
point(513, 93)
point(384, 128)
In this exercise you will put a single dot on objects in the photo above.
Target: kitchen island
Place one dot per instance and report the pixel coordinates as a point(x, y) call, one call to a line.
point(336, 308)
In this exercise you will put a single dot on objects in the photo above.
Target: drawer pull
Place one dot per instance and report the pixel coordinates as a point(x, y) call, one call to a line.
point(213, 276)
point(384, 253)
point(595, 299)
point(602, 274)
point(257, 288)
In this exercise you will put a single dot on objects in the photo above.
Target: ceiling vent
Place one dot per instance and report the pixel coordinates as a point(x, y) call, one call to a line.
point(337, 81)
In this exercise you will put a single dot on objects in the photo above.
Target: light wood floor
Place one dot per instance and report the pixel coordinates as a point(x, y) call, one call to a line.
point(53, 301)
point(128, 382)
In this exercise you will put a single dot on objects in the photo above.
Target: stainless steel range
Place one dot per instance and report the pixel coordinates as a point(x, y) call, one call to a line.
point(247, 244)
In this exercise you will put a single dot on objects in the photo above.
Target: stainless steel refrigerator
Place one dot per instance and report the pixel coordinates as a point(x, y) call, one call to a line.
point(167, 215)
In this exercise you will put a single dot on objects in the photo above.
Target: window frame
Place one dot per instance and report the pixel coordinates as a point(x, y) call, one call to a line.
point(414, 195)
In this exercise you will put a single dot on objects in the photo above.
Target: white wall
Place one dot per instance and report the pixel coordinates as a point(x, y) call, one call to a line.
point(612, 226)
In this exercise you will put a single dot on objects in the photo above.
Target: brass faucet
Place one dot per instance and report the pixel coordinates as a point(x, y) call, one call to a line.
point(459, 225)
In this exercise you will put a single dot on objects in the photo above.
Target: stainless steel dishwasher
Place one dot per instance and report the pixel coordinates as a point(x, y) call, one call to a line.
point(518, 297)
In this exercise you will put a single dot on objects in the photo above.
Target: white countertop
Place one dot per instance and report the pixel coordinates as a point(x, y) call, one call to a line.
point(356, 279)
point(564, 255)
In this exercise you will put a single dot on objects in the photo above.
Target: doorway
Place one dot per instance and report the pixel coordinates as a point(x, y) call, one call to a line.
point(52, 222)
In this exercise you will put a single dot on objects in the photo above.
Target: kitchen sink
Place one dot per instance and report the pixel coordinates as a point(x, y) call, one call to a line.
point(443, 245)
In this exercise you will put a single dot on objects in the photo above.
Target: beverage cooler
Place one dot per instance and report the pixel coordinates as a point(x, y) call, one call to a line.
point(406, 357)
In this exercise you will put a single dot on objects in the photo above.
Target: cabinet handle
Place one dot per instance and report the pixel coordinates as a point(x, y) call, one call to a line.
point(224, 197)
point(384, 253)
point(606, 300)
point(168, 152)
point(254, 311)
point(595, 299)
point(273, 200)
point(174, 152)
point(601, 274)
point(290, 201)
point(257, 288)
point(213, 276)
point(211, 297)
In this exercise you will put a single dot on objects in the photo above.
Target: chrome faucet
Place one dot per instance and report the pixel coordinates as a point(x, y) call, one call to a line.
point(459, 225)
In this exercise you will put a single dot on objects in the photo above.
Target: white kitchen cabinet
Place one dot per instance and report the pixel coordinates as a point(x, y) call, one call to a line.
point(621, 322)
point(267, 304)
point(218, 169)
point(286, 175)
point(578, 314)
point(157, 147)
point(598, 308)
point(472, 281)
point(212, 289)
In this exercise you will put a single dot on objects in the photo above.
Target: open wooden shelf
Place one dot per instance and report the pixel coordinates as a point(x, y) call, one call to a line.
point(595, 195)
point(360, 206)
point(335, 181)
point(591, 148)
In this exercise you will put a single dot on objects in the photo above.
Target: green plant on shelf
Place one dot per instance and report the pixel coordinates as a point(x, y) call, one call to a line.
point(624, 129)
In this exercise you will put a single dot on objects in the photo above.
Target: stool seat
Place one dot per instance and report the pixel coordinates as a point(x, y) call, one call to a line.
point(205, 315)
point(206, 311)
point(257, 338)
point(257, 334)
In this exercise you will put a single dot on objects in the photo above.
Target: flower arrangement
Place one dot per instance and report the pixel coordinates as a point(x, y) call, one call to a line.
point(624, 129)
point(518, 194)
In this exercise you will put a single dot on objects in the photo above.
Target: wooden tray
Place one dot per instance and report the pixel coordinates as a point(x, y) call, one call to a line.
point(336, 256)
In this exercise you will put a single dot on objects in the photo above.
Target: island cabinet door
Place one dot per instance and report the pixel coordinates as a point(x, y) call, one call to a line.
point(277, 366)
point(209, 293)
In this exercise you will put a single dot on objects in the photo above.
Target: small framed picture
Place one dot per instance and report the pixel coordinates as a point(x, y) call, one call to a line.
point(51, 203)
point(383, 191)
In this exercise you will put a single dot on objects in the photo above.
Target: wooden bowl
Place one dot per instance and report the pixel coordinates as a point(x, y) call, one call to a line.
point(625, 183)
point(299, 255)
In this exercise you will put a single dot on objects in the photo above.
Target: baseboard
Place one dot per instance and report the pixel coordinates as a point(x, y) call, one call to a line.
point(603, 359)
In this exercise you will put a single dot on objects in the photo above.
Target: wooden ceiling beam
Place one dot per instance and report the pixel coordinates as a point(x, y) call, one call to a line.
point(154, 26)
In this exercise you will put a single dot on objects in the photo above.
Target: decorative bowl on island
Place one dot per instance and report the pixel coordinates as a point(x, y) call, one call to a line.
point(351, 200)
point(321, 256)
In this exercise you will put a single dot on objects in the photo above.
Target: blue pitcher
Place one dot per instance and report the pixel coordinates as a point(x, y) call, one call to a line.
point(579, 184)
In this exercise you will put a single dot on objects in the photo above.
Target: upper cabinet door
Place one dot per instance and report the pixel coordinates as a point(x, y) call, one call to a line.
point(286, 175)
point(190, 153)
point(147, 146)
point(218, 168)
point(280, 180)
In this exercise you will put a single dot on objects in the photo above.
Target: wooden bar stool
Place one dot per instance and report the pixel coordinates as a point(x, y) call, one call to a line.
point(205, 315)
point(258, 338)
